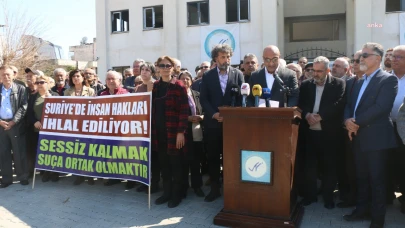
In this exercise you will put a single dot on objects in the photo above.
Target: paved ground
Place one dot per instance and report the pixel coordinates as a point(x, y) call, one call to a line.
point(63, 205)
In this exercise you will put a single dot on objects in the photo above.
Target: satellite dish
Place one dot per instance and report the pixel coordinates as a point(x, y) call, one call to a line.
point(84, 40)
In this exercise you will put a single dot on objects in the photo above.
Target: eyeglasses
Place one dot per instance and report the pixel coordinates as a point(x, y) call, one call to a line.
point(273, 60)
point(318, 71)
point(40, 83)
point(396, 57)
point(366, 55)
point(250, 63)
point(309, 70)
point(167, 66)
point(204, 67)
point(138, 83)
point(355, 61)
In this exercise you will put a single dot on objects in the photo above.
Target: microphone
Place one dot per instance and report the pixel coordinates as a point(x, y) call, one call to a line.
point(245, 91)
point(266, 96)
point(234, 94)
point(285, 91)
point(257, 92)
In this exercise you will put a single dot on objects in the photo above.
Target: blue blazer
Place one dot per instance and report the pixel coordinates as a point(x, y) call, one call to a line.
point(211, 96)
point(376, 130)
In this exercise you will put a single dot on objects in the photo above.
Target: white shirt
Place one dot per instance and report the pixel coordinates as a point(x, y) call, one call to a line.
point(399, 98)
point(269, 78)
point(318, 97)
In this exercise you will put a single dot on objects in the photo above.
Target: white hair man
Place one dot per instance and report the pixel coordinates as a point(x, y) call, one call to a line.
point(113, 81)
point(250, 65)
point(204, 67)
point(340, 68)
point(129, 83)
point(91, 77)
point(59, 74)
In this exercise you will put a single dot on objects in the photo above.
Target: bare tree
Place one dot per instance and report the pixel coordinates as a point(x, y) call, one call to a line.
point(19, 44)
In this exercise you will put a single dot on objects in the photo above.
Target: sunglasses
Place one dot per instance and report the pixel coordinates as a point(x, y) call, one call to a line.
point(355, 61)
point(366, 55)
point(204, 67)
point(167, 66)
point(40, 83)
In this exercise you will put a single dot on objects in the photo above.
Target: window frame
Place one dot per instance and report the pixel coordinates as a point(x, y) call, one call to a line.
point(199, 13)
point(401, 7)
point(238, 12)
point(291, 40)
point(153, 17)
point(122, 21)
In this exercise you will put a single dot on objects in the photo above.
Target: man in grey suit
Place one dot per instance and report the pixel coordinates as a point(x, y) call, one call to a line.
point(274, 77)
point(367, 119)
point(216, 92)
point(13, 106)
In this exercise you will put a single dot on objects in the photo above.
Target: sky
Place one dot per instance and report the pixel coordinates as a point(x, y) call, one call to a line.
point(67, 21)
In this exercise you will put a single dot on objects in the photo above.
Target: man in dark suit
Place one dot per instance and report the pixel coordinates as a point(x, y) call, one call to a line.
point(367, 119)
point(267, 78)
point(322, 104)
point(216, 92)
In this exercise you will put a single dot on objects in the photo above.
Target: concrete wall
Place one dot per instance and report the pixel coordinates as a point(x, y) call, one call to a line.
point(83, 52)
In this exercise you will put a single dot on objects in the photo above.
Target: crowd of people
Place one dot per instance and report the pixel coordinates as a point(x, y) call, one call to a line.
point(350, 136)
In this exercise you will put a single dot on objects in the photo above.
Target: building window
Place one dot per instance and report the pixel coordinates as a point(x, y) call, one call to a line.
point(153, 17)
point(120, 21)
point(314, 31)
point(198, 13)
point(395, 5)
point(237, 10)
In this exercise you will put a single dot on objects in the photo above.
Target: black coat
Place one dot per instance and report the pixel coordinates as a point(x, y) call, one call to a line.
point(289, 79)
point(331, 106)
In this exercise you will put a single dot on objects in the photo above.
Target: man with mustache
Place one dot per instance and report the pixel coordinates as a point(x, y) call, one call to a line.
point(59, 74)
point(387, 60)
point(250, 64)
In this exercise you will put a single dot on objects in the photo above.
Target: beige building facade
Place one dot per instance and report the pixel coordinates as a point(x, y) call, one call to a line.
point(147, 29)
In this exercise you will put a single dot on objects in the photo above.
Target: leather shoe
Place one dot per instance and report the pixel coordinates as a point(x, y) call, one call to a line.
point(24, 182)
point(4, 185)
point(356, 216)
point(154, 188)
point(46, 177)
point(78, 180)
point(345, 204)
point(213, 195)
point(90, 181)
point(306, 201)
point(130, 185)
point(142, 188)
point(173, 203)
point(403, 208)
point(55, 177)
point(377, 224)
point(199, 192)
point(329, 205)
point(111, 182)
point(161, 200)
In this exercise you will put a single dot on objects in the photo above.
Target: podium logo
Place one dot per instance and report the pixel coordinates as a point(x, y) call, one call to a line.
point(256, 167)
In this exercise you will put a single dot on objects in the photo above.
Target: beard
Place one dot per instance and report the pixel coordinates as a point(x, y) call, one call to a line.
point(387, 63)
point(223, 66)
point(319, 80)
point(363, 67)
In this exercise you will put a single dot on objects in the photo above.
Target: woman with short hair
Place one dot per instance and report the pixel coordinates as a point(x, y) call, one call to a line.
point(169, 125)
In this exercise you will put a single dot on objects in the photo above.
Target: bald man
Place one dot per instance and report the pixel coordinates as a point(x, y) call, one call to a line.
point(274, 77)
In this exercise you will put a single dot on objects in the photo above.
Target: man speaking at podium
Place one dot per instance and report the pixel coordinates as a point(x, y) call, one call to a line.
point(322, 104)
point(274, 77)
point(216, 92)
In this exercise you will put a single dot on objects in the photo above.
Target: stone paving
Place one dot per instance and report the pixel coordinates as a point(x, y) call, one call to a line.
point(61, 204)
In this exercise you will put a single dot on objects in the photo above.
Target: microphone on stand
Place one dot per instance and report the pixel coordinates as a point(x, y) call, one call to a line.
point(286, 90)
point(266, 96)
point(257, 92)
point(234, 94)
point(245, 91)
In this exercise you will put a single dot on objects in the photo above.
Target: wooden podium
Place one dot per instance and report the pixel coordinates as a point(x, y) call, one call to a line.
point(258, 191)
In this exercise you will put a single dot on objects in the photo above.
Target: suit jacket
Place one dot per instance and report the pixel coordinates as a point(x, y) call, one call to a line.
point(55, 89)
point(211, 96)
point(401, 122)
point(87, 92)
point(19, 103)
point(289, 79)
point(376, 130)
point(196, 86)
point(331, 106)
